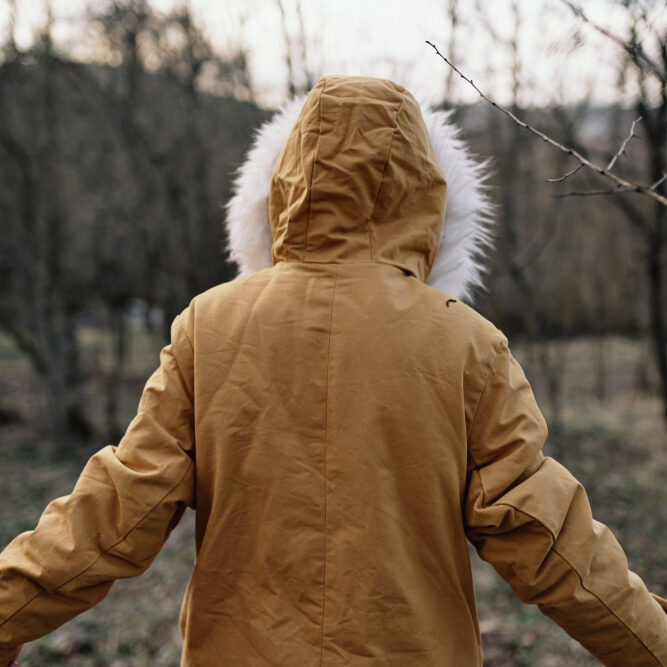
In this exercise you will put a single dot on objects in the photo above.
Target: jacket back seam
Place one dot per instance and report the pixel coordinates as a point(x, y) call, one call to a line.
point(326, 437)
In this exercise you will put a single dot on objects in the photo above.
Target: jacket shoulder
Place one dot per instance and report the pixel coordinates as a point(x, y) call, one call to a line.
point(463, 323)
point(223, 299)
point(471, 343)
point(225, 292)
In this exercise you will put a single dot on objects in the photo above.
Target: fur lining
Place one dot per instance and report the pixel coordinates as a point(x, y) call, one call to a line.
point(466, 231)
point(249, 237)
point(457, 269)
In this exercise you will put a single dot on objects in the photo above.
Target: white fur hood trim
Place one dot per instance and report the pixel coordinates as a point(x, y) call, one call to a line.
point(465, 236)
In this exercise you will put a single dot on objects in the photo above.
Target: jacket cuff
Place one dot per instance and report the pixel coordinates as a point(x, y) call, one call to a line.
point(7, 655)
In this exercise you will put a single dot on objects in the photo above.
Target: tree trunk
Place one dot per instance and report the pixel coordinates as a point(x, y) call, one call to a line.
point(656, 124)
point(114, 377)
point(656, 280)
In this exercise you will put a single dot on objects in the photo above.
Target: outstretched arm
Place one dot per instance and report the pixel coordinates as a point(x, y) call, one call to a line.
point(531, 519)
point(122, 509)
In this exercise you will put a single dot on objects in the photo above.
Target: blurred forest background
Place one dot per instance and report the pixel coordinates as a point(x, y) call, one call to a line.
point(114, 172)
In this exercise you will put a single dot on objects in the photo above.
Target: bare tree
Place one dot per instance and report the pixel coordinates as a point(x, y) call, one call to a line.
point(526, 228)
point(303, 71)
point(44, 288)
point(645, 63)
point(652, 107)
point(112, 182)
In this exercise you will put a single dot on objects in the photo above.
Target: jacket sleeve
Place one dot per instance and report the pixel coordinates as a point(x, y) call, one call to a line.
point(531, 519)
point(120, 512)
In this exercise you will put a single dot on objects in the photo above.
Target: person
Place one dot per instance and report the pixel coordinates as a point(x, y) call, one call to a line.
point(341, 428)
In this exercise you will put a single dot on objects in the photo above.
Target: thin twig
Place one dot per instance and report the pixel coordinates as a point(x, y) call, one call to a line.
point(634, 50)
point(619, 182)
point(562, 178)
point(594, 193)
point(621, 150)
point(659, 182)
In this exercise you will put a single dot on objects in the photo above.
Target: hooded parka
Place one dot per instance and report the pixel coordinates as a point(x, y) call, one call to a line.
point(340, 428)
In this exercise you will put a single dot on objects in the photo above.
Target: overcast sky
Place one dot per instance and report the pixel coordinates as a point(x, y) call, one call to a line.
point(562, 59)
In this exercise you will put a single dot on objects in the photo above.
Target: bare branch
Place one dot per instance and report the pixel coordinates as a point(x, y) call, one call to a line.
point(627, 139)
point(562, 178)
point(659, 182)
point(594, 193)
point(633, 49)
point(620, 183)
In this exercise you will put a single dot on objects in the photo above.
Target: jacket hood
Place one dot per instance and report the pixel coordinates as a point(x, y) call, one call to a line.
point(358, 172)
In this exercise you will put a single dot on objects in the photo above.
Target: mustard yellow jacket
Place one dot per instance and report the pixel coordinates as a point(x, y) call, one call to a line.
point(340, 428)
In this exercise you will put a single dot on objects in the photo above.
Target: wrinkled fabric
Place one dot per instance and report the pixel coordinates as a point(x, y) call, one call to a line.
point(341, 429)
